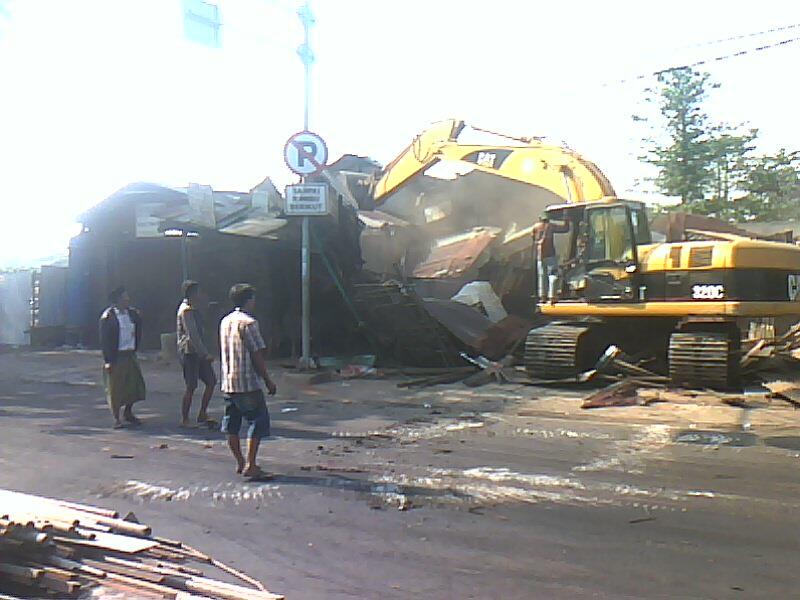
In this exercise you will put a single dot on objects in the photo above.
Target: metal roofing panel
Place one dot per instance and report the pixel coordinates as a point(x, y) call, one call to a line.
point(452, 260)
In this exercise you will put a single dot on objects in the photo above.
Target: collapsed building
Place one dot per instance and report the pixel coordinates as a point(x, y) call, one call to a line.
point(453, 220)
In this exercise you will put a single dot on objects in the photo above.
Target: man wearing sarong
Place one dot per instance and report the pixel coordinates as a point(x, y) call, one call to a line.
point(120, 335)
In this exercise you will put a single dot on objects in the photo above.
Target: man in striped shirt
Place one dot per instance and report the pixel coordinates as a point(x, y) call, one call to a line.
point(243, 368)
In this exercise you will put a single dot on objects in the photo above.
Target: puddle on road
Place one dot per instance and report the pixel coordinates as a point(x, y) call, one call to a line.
point(786, 442)
point(703, 437)
point(394, 494)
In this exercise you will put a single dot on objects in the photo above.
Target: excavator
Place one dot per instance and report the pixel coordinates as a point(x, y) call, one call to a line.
point(685, 306)
point(688, 305)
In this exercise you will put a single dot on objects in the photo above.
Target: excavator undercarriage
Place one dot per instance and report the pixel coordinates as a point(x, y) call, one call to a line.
point(698, 353)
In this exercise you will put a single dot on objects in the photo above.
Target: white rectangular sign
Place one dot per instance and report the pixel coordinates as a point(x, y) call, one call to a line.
point(307, 199)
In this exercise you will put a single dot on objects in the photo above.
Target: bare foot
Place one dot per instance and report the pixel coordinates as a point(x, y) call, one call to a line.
point(255, 472)
point(240, 467)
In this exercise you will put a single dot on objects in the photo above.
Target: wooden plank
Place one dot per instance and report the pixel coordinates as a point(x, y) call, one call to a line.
point(134, 572)
point(619, 394)
point(112, 541)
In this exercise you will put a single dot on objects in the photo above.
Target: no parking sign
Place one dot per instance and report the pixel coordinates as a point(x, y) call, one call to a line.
point(305, 153)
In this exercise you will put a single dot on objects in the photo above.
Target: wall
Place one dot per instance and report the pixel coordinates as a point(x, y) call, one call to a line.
point(16, 289)
point(53, 296)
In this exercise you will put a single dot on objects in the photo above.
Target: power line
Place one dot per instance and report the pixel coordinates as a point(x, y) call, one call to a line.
point(705, 61)
point(734, 38)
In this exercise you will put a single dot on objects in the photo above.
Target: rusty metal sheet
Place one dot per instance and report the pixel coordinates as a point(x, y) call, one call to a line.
point(456, 258)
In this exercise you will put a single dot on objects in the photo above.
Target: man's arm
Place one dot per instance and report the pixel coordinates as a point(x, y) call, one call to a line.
point(256, 346)
point(261, 369)
point(194, 335)
point(105, 341)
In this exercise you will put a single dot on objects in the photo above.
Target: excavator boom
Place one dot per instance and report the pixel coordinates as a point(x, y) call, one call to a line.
point(555, 168)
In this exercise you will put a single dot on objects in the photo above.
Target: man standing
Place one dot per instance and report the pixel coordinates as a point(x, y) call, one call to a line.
point(120, 335)
point(193, 353)
point(242, 349)
point(543, 234)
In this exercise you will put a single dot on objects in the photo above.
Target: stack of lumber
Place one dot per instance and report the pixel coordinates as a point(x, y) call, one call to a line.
point(52, 548)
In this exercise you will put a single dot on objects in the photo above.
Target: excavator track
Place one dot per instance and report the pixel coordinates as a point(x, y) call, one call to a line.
point(553, 351)
point(703, 359)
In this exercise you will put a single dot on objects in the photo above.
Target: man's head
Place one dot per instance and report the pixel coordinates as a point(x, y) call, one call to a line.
point(119, 298)
point(190, 289)
point(243, 295)
point(544, 219)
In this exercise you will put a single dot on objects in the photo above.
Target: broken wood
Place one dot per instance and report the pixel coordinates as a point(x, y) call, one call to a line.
point(618, 394)
point(47, 553)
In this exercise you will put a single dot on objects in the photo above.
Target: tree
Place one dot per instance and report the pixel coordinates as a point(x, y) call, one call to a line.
point(728, 167)
point(711, 166)
point(771, 187)
point(682, 157)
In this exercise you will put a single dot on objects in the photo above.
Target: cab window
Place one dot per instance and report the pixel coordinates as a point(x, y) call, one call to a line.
point(610, 236)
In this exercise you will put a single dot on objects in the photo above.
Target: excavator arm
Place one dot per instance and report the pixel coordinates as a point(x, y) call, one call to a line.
point(555, 168)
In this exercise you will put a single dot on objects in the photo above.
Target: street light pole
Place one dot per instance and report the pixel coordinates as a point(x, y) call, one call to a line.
point(307, 56)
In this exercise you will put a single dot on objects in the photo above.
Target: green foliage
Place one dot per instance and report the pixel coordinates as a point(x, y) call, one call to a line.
point(711, 166)
point(682, 160)
point(728, 169)
point(772, 188)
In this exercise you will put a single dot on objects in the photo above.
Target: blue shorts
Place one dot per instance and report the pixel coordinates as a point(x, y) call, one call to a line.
point(251, 406)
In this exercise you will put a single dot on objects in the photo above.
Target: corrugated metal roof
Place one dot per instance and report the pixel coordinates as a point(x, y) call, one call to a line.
point(455, 258)
point(259, 227)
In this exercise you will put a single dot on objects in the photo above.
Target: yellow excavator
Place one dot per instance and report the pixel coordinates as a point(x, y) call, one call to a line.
point(687, 305)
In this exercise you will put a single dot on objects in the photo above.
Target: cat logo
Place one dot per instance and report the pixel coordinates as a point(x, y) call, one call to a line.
point(794, 286)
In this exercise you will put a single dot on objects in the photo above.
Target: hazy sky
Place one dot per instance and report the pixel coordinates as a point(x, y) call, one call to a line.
point(99, 93)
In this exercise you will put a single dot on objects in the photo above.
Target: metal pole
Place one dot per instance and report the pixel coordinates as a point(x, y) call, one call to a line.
point(184, 257)
point(306, 277)
point(305, 361)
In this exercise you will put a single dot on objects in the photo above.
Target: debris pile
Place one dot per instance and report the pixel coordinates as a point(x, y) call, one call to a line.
point(768, 364)
point(56, 549)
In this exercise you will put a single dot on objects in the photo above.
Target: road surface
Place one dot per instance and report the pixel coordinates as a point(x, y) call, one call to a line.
point(446, 492)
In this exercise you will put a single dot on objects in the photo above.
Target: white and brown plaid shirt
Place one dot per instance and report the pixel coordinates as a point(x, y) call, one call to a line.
point(239, 339)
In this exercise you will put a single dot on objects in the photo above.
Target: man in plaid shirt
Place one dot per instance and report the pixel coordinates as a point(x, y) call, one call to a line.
point(243, 368)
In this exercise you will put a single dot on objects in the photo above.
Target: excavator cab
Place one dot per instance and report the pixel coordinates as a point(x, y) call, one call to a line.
point(601, 262)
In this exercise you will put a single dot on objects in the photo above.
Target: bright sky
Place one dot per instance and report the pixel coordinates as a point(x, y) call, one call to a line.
point(95, 94)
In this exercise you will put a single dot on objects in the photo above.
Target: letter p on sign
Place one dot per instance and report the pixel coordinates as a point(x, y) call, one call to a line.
point(305, 153)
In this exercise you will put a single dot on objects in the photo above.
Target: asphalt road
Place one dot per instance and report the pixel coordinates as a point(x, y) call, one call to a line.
point(447, 492)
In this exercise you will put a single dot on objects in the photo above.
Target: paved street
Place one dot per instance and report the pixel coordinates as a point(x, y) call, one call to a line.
point(447, 492)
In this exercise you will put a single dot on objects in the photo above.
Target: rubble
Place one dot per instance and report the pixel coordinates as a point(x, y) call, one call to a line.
point(56, 549)
point(769, 362)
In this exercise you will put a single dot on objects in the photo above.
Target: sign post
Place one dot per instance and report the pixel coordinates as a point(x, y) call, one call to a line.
point(305, 154)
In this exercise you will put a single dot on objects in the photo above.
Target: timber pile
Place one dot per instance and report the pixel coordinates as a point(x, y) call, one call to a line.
point(50, 548)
